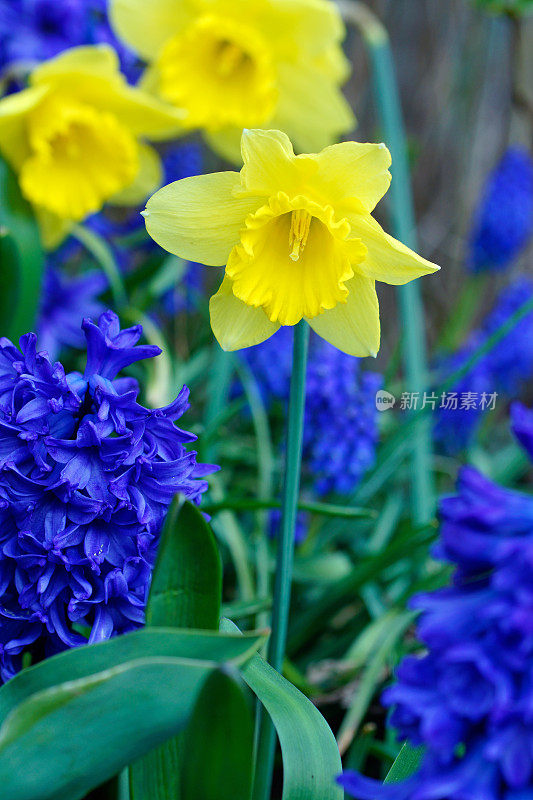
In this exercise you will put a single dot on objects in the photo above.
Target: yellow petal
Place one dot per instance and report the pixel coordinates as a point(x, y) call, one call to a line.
point(388, 260)
point(269, 163)
point(298, 29)
point(352, 170)
point(14, 110)
point(146, 26)
point(96, 60)
point(149, 178)
point(91, 75)
point(235, 324)
point(311, 108)
point(352, 327)
point(198, 218)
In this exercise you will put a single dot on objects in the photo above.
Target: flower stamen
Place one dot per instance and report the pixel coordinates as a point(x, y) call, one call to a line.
point(299, 233)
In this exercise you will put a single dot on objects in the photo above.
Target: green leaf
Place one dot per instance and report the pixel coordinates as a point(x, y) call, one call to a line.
point(185, 592)
point(187, 582)
point(219, 743)
point(407, 762)
point(311, 759)
point(21, 259)
point(75, 720)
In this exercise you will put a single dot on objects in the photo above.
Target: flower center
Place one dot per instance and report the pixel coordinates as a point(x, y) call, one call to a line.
point(80, 157)
point(221, 72)
point(294, 259)
point(299, 232)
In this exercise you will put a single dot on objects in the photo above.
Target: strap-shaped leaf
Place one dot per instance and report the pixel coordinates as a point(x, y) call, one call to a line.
point(405, 764)
point(187, 582)
point(311, 759)
point(218, 743)
point(21, 259)
point(63, 737)
point(186, 593)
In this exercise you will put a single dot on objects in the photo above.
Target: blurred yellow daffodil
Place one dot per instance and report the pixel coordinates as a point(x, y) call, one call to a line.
point(234, 64)
point(73, 138)
point(297, 238)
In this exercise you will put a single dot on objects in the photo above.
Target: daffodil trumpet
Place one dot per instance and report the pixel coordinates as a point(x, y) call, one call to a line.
point(75, 137)
point(296, 236)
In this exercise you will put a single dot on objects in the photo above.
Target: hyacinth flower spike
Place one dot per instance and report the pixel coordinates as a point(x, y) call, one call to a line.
point(296, 236)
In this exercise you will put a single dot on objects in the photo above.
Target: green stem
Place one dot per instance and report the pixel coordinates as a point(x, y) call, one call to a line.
point(404, 228)
point(285, 552)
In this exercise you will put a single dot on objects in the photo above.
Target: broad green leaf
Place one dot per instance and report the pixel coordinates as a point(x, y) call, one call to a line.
point(218, 743)
point(407, 762)
point(311, 759)
point(187, 582)
point(85, 661)
point(21, 258)
point(186, 593)
point(68, 738)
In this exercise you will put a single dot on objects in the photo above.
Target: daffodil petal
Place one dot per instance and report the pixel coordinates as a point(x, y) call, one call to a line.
point(235, 324)
point(98, 60)
point(91, 74)
point(388, 260)
point(352, 327)
point(146, 26)
point(269, 162)
point(148, 179)
point(311, 108)
point(199, 218)
point(354, 170)
point(13, 130)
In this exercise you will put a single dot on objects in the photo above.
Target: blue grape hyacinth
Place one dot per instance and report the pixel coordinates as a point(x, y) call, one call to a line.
point(468, 698)
point(86, 478)
point(503, 223)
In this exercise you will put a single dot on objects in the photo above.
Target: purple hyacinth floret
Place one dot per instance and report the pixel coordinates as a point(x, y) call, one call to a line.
point(86, 477)
point(35, 30)
point(468, 699)
point(503, 223)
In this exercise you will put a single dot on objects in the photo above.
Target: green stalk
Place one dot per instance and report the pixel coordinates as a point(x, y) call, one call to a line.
point(97, 246)
point(285, 553)
point(404, 228)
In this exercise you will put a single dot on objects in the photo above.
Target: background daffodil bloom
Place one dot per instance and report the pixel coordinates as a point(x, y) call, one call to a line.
point(73, 137)
point(297, 238)
point(234, 64)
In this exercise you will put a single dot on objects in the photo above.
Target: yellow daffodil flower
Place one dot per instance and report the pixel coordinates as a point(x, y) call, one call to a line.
point(74, 138)
point(234, 64)
point(296, 236)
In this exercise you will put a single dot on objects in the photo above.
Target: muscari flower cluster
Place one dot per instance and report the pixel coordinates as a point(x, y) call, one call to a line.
point(468, 699)
point(87, 475)
point(340, 431)
point(504, 369)
point(35, 30)
point(503, 223)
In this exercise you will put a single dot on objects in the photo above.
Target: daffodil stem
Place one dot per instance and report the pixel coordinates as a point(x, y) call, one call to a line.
point(285, 553)
point(404, 228)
